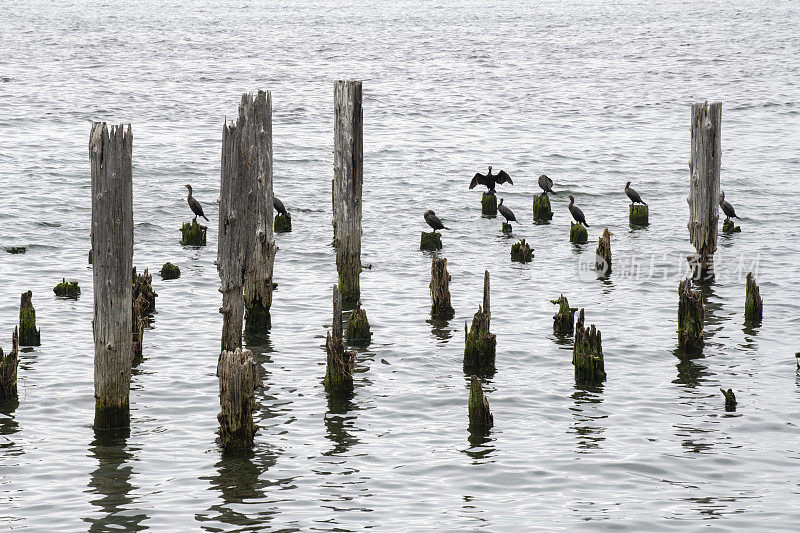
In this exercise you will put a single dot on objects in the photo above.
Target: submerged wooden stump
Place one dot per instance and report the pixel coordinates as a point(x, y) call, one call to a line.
point(341, 362)
point(729, 227)
point(441, 308)
point(480, 344)
point(564, 317)
point(730, 399)
point(578, 234)
point(753, 306)
point(67, 289)
point(283, 224)
point(638, 215)
point(193, 234)
point(238, 377)
point(430, 241)
point(690, 318)
point(16, 249)
point(480, 417)
point(489, 204)
point(507, 229)
point(603, 254)
point(542, 211)
point(170, 271)
point(521, 252)
point(142, 285)
point(144, 302)
point(28, 334)
point(8, 369)
point(587, 353)
point(358, 332)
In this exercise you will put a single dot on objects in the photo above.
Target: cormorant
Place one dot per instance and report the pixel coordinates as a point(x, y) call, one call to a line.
point(433, 221)
point(577, 214)
point(726, 207)
point(278, 205)
point(197, 209)
point(633, 195)
point(489, 180)
point(546, 184)
point(506, 212)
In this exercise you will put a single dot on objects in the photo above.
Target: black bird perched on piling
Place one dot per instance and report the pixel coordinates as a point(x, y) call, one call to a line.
point(546, 184)
point(506, 212)
point(433, 221)
point(489, 180)
point(577, 214)
point(727, 208)
point(632, 194)
point(197, 209)
point(279, 207)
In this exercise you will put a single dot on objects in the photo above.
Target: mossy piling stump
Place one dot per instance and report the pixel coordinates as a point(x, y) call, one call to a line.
point(28, 334)
point(521, 252)
point(602, 261)
point(358, 332)
point(16, 249)
point(542, 212)
point(170, 271)
point(587, 353)
point(480, 344)
point(238, 377)
point(563, 320)
point(578, 234)
point(489, 205)
point(480, 417)
point(753, 306)
point(341, 362)
point(430, 241)
point(144, 302)
point(67, 289)
point(283, 223)
point(729, 227)
point(441, 308)
point(730, 399)
point(690, 318)
point(8, 369)
point(193, 233)
point(507, 229)
point(638, 215)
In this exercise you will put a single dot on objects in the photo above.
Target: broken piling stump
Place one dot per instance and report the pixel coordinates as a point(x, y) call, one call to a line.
point(348, 177)
point(67, 289)
point(28, 334)
point(16, 249)
point(638, 215)
point(480, 344)
point(542, 211)
point(430, 241)
point(521, 252)
point(587, 353)
point(489, 205)
point(193, 233)
point(753, 306)
point(564, 317)
point(358, 332)
point(144, 302)
point(480, 417)
point(283, 223)
point(507, 229)
point(341, 362)
point(690, 318)
point(441, 307)
point(578, 234)
point(112, 244)
point(238, 377)
point(170, 271)
point(8, 369)
point(730, 399)
point(602, 261)
point(729, 227)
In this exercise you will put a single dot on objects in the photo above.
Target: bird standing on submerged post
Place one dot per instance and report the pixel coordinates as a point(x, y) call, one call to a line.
point(197, 209)
point(637, 214)
point(432, 241)
point(508, 214)
point(728, 226)
point(283, 221)
point(541, 203)
point(193, 233)
point(489, 200)
point(546, 184)
point(577, 232)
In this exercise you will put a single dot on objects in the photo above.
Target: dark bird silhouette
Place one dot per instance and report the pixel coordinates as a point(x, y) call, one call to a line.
point(577, 214)
point(433, 221)
point(197, 209)
point(489, 180)
point(726, 207)
point(633, 195)
point(279, 207)
point(506, 212)
point(546, 184)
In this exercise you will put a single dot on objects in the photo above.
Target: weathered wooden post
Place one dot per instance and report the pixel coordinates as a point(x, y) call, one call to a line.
point(29, 335)
point(564, 317)
point(638, 215)
point(541, 208)
point(430, 241)
point(489, 204)
point(480, 344)
point(521, 252)
point(238, 377)
point(193, 233)
point(112, 250)
point(348, 176)
point(441, 307)
point(704, 169)
point(246, 249)
point(480, 417)
point(690, 318)
point(753, 306)
point(730, 399)
point(578, 234)
point(587, 353)
point(358, 332)
point(341, 362)
point(603, 254)
point(8, 369)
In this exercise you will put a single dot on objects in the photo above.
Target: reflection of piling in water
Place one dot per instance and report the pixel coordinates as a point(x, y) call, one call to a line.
point(8, 369)
point(341, 362)
point(480, 418)
point(238, 377)
point(690, 318)
point(587, 353)
point(480, 344)
point(752, 303)
point(441, 308)
point(28, 334)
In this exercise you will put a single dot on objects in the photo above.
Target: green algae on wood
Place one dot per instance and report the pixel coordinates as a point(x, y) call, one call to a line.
point(441, 308)
point(507, 229)
point(282, 224)
point(340, 362)
point(480, 417)
point(587, 353)
point(730, 399)
point(143, 285)
point(358, 332)
point(564, 317)
point(753, 305)
point(603, 254)
point(8, 369)
point(67, 289)
point(542, 212)
point(690, 318)
point(170, 271)
point(193, 234)
point(238, 377)
point(638, 215)
point(91, 256)
point(143, 302)
point(489, 204)
point(480, 344)
point(430, 241)
point(729, 227)
point(521, 252)
point(16, 249)
point(578, 234)
point(28, 334)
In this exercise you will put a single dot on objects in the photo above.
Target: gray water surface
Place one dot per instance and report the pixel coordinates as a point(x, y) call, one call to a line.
point(591, 94)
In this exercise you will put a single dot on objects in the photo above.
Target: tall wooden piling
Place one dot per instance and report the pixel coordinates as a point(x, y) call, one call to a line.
point(753, 306)
point(587, 353)
point(704, 190)
point(480, 344)
point(348, 176)
point(341, 362)
point(238, 377)
point(690, 318)
point(29, 335)
point(8, 369)
point(110, 154)
point(480, 417)
point(603, 254)
point(246, 248)
point(441, 307)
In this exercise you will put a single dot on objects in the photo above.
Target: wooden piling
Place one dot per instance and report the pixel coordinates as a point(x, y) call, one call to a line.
point(341, 362)
point(238, 377)
point(28, 334)
point(753, 306)
point(521, 252)
point(480, 344)
point(704, 189)
point(578, 233)
point(112, 246)
point(348, 177)
point(638, 215)
point(480, 417)
point(8, 369)
point(430, 241)
point(730, 399)
point(564, 317)
point(441, 307)
point(542, 211)
point(690, 318)
point(358, 332)
point(489, 205)
point(587, 353)
point(603, 254)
